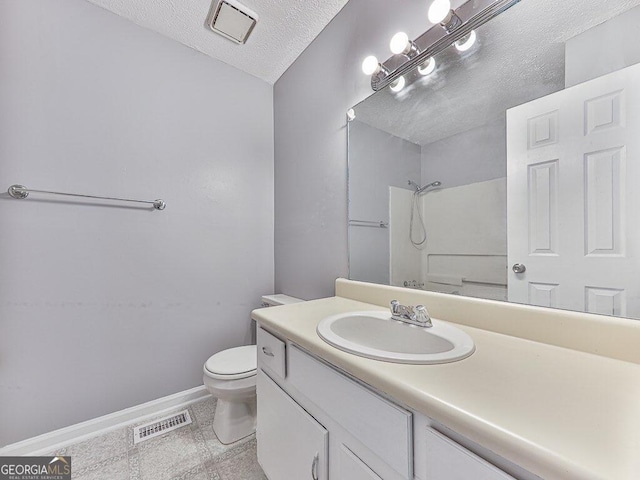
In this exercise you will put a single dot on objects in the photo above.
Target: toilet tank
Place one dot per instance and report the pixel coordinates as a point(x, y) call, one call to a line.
point(278, 299)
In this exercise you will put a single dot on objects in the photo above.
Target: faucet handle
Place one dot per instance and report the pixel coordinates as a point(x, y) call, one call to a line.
point(395, 307)
point(422, 315)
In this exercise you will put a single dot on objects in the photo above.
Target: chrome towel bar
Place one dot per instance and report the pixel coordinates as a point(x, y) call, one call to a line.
point(368, 223)
point(20, 192)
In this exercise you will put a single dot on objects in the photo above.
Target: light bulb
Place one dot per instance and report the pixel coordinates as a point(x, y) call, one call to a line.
point(466, 42)
point(351, 115)
point(397, 84)
point(427, 67)
point(439, 11)
point(370, 65)
point(399, 43)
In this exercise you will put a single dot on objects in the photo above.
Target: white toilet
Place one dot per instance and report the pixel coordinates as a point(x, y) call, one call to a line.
point(230, 376)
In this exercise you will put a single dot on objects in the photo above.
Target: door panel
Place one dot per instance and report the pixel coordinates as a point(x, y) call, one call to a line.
point(573, 159)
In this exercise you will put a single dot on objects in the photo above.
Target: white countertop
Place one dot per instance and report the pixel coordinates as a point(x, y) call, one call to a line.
point(557, 412)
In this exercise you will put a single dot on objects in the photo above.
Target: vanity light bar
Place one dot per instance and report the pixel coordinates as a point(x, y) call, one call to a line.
point(472, 15)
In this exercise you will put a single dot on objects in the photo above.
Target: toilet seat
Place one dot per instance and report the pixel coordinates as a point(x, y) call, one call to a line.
point(232, 364)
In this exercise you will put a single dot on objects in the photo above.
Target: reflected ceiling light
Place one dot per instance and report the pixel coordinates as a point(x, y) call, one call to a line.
point(400, 44)
point(466, 42)
point(427, 67)
point(397, 85)
point(439, 10)
point(371, 66)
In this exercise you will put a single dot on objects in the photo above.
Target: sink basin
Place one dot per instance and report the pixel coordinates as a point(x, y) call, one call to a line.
point(376, 335)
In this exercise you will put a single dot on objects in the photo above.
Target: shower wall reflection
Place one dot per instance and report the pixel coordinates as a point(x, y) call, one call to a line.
point(464, 216)
point(378, 161)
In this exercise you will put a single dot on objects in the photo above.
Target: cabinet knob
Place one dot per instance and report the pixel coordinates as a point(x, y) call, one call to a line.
point(267, 351)
point(314, 467)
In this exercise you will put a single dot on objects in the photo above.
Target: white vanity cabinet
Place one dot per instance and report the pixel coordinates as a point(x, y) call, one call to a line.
point(448, 460)
point(292, 443)
point(374, 430)
point(314, 422)
point(350, 467)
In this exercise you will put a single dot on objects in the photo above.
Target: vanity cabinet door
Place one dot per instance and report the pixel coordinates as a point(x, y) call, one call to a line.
point(352, 468)
point(291, 443)
point(383, 428)
point(446, 460)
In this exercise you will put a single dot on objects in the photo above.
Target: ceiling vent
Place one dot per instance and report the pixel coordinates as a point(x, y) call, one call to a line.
point(231, 20)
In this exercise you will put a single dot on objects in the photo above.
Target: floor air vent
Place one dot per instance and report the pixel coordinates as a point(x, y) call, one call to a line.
point(160, 427)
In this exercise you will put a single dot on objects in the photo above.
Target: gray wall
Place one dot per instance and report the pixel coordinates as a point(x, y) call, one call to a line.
point(105, 307)
point(477, 155)
point(377, 160)
point(603, 49)
point(310, 103)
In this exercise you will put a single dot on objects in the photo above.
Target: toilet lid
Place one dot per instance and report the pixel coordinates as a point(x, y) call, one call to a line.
point(234, 361)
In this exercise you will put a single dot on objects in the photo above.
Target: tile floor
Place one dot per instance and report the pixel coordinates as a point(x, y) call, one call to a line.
point(188, 453)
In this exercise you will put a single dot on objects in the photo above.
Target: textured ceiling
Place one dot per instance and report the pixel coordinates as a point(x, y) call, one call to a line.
point(519, 57)
point(285, 28)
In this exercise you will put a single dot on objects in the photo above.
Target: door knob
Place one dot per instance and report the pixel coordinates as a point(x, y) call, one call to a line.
point(519, 268)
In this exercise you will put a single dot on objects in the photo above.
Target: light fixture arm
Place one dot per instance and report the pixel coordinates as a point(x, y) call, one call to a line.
point(411, 50)
point(452, 22)
point(469, 16)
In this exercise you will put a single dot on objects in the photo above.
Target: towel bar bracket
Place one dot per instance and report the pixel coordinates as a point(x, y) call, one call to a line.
point(18, 191)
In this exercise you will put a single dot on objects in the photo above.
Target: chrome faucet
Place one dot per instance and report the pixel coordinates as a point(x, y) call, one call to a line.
point(417, 315)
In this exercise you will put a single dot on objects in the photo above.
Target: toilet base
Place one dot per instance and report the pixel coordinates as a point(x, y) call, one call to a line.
point(234, 420)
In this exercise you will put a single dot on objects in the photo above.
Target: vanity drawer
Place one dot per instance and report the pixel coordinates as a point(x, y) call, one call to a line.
point(381, 426)
point(271, 353)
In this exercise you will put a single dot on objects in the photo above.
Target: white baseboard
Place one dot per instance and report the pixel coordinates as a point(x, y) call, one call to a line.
point(49, 442)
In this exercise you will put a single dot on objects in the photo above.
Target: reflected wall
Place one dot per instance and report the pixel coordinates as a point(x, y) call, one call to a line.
point(457, 121)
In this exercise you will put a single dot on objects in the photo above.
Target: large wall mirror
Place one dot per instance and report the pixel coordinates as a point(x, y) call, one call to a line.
point(512, 172)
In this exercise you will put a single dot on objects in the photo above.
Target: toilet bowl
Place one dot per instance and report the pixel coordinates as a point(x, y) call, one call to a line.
point(230, 376)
